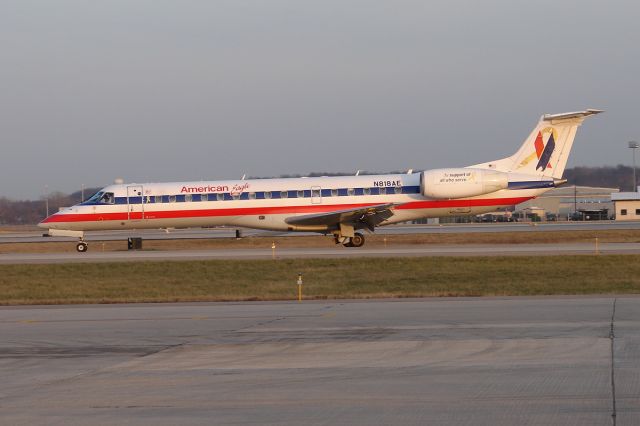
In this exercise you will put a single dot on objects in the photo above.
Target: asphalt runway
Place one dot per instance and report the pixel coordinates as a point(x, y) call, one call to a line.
point(205, 233)
point(488, 361)
point(95, 255)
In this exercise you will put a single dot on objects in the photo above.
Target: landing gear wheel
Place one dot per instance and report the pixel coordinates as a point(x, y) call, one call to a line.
point(357, 240)
point(348, 243)
point(82, 247)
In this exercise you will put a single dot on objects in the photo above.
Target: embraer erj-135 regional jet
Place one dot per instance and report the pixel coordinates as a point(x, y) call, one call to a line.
point(339, 206)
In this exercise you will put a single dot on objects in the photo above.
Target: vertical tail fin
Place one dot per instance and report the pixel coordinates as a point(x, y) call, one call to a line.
point(546, 151)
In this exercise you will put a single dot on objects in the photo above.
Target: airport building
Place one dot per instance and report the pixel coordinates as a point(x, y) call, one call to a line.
point(565, 203)
point(570, 203)
point(627, 205)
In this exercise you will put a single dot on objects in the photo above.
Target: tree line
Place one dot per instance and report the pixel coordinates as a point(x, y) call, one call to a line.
point(28, 212)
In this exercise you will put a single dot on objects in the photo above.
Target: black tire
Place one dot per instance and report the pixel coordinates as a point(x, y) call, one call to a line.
point(348, 243)
point(82, 247)
point(357, 240)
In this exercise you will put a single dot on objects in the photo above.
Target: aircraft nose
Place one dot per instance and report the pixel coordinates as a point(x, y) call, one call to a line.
point(47, 222)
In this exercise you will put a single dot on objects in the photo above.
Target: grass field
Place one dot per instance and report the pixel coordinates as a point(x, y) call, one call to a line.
point(323, 278)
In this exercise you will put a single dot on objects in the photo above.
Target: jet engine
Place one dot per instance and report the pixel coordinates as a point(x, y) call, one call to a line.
point(461, 183)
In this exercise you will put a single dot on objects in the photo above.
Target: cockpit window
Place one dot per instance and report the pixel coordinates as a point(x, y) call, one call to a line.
point(95, 197)
point(107, 198)
point(102, 197)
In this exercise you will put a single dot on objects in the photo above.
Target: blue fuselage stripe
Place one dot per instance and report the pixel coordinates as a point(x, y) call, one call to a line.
point(260, 195)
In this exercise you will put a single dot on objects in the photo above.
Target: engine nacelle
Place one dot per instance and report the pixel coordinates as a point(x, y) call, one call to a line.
point(461, 183)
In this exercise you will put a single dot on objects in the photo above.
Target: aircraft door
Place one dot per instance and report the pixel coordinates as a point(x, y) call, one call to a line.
point(316, 195)
point(135, 206)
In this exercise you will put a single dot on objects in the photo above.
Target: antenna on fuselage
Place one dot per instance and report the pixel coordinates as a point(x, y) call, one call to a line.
point(410, 171)
point(358, 172)
point(243, 176)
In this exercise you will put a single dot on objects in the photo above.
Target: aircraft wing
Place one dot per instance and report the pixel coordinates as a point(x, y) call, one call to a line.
point(360, 217)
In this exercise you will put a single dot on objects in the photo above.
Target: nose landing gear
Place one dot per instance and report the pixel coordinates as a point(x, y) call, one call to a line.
point(82, 247)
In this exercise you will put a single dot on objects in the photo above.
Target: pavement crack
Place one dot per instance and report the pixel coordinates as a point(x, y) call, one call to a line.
point(612, 337)
point(271, 321)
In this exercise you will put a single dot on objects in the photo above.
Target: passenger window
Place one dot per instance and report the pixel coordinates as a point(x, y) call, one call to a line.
point(300, 194)
point(398, 190)
point(158, 199)
point(267, 195)
point(284, 194)
point(351, 191)
point(221, 197)
point(334, 192)
point(172, 198)
point(366, 191)
point(252, 195)
point(315, 192)
point(187, 198)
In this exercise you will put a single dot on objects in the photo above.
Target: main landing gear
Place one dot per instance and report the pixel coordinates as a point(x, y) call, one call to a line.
point(82, 247)
point(356, 241)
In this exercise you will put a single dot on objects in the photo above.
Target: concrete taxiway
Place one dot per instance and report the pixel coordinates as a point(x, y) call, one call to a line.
point(208, 233)
point(95, 255)
point(535, 361)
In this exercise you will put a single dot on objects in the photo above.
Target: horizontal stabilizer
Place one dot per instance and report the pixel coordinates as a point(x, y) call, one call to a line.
point(571, 115)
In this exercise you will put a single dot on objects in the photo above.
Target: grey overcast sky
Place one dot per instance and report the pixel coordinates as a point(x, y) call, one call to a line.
point(190, 90)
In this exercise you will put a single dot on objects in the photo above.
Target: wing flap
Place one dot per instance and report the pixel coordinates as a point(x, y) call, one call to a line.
point(369, 216)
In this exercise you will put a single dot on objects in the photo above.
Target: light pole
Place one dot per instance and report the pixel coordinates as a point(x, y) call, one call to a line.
point(634, 145)
point(46, 198)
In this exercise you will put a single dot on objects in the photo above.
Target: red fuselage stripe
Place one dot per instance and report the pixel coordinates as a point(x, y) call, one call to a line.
point(248, 211)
